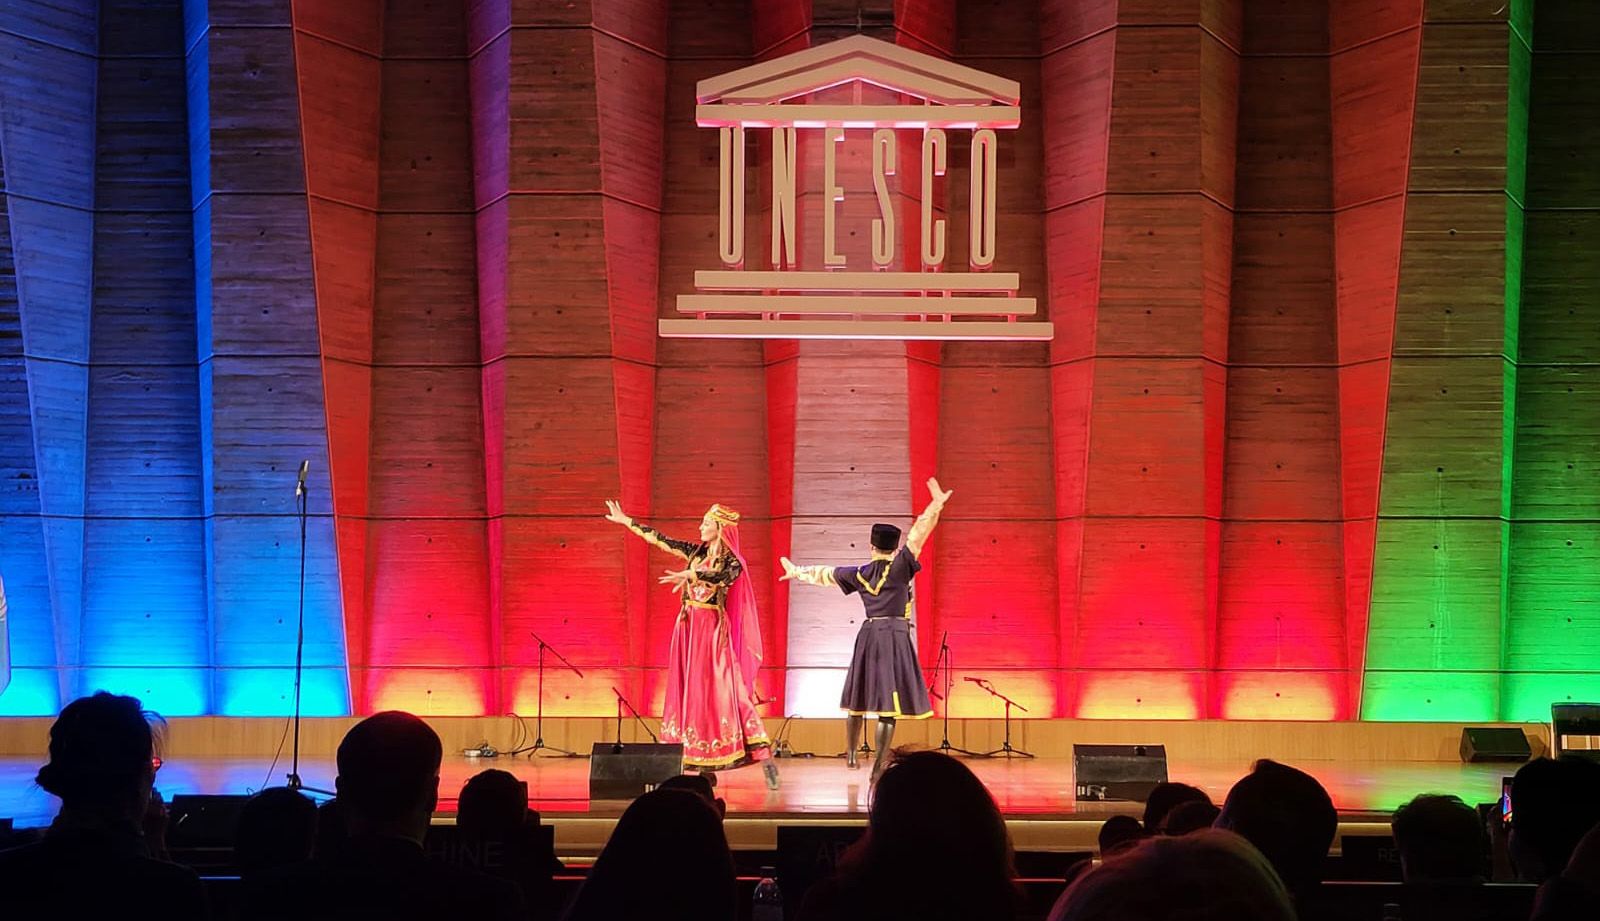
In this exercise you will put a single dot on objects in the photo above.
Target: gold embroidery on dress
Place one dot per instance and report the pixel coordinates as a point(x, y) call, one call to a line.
point(719, 752)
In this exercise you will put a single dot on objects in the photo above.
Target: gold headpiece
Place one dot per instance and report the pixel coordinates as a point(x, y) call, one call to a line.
point(721, 514)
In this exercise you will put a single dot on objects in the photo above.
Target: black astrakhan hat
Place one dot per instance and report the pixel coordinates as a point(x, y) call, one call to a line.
point(885, 537)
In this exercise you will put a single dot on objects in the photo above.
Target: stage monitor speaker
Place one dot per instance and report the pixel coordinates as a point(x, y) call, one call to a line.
point(1494, 743)
point(623, 771)
point(201, 831)
point(204, 821)
point(1125, 773)
point(1574, 719)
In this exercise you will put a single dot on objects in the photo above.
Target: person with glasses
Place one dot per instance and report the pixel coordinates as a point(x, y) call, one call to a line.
point(98, 859)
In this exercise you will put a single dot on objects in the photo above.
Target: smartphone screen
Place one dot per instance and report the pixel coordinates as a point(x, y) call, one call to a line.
point(1505, 800)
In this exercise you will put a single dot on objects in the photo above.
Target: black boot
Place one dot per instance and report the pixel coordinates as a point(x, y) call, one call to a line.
point(770, 769)
point(852, 741)
point(885, 742)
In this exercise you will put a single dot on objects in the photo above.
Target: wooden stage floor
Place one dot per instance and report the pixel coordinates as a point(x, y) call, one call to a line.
point(1036, 796)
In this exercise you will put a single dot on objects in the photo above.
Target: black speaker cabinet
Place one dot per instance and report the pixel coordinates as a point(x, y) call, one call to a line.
point(1125, 773)
point(624, 771)
point(1494, 743)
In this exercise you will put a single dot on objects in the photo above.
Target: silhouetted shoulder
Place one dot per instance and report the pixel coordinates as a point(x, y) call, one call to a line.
point(76, 880)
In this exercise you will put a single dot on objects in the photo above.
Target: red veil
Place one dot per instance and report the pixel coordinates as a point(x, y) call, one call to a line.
point(743, 624)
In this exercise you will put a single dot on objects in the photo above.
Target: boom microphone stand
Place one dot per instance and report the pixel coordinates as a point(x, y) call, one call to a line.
point(944, 662)
point(302, 500)
point(1005, 750)
point(623, 702)
point(538, 722)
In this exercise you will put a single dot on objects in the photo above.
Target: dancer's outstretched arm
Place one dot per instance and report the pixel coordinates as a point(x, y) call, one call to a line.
point(680, 548)
point(811, 575)
point(929, 519)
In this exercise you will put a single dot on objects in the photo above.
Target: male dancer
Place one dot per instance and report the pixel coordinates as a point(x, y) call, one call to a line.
point(885, 678)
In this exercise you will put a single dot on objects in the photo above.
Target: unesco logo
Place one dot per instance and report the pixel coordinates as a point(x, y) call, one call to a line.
point(856, 141)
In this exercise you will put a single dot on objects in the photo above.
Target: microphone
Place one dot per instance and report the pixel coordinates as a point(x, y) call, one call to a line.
point(972, 679)
point(616, 748)
point(300, 484)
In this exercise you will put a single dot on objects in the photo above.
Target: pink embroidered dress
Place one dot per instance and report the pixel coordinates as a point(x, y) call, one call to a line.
point(710, 701)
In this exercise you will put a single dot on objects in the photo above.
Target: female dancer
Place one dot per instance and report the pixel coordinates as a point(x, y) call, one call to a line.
point(884, 678)
point(716, 648)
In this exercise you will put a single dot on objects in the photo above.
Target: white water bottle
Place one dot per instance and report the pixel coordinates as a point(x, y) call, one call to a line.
point(767, 904)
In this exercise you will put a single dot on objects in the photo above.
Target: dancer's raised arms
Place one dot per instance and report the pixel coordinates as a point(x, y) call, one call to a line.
point(929, 519)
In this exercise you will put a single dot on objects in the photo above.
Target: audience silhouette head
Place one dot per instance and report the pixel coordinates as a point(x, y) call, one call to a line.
point(1554, 803)
point(104, 751)
point(1185, 818)
point(667, 860)
point(277, 827)
point(701, 785)
point(389, 775)
point(1288, 816)
point(371, 862)
point(1207, 875)
point(1440, 838)
point(959, 850)
point(1119, 833)
point(99, 858)
point(1167, 797)
point(493, 804)
point(932, 821)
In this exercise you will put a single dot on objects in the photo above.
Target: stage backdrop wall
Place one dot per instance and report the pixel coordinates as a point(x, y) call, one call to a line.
point(1315, 439)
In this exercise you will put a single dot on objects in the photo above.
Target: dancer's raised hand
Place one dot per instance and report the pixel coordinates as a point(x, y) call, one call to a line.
point(940, 496)
point(790, 570)
point(614, 513)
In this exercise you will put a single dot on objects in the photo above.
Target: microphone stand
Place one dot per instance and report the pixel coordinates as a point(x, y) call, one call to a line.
point(944, 661)
point(302, 499)
point(538, 723)
point(1005, 750)
point(623, 702)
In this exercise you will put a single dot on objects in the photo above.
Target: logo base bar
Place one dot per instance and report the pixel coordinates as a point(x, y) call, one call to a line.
point(941, 331)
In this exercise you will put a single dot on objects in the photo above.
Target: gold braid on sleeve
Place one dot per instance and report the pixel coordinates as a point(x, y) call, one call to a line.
point(815, 575)
point(655, 538)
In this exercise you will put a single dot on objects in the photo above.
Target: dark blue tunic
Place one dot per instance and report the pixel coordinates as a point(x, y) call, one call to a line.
point(884, 677)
